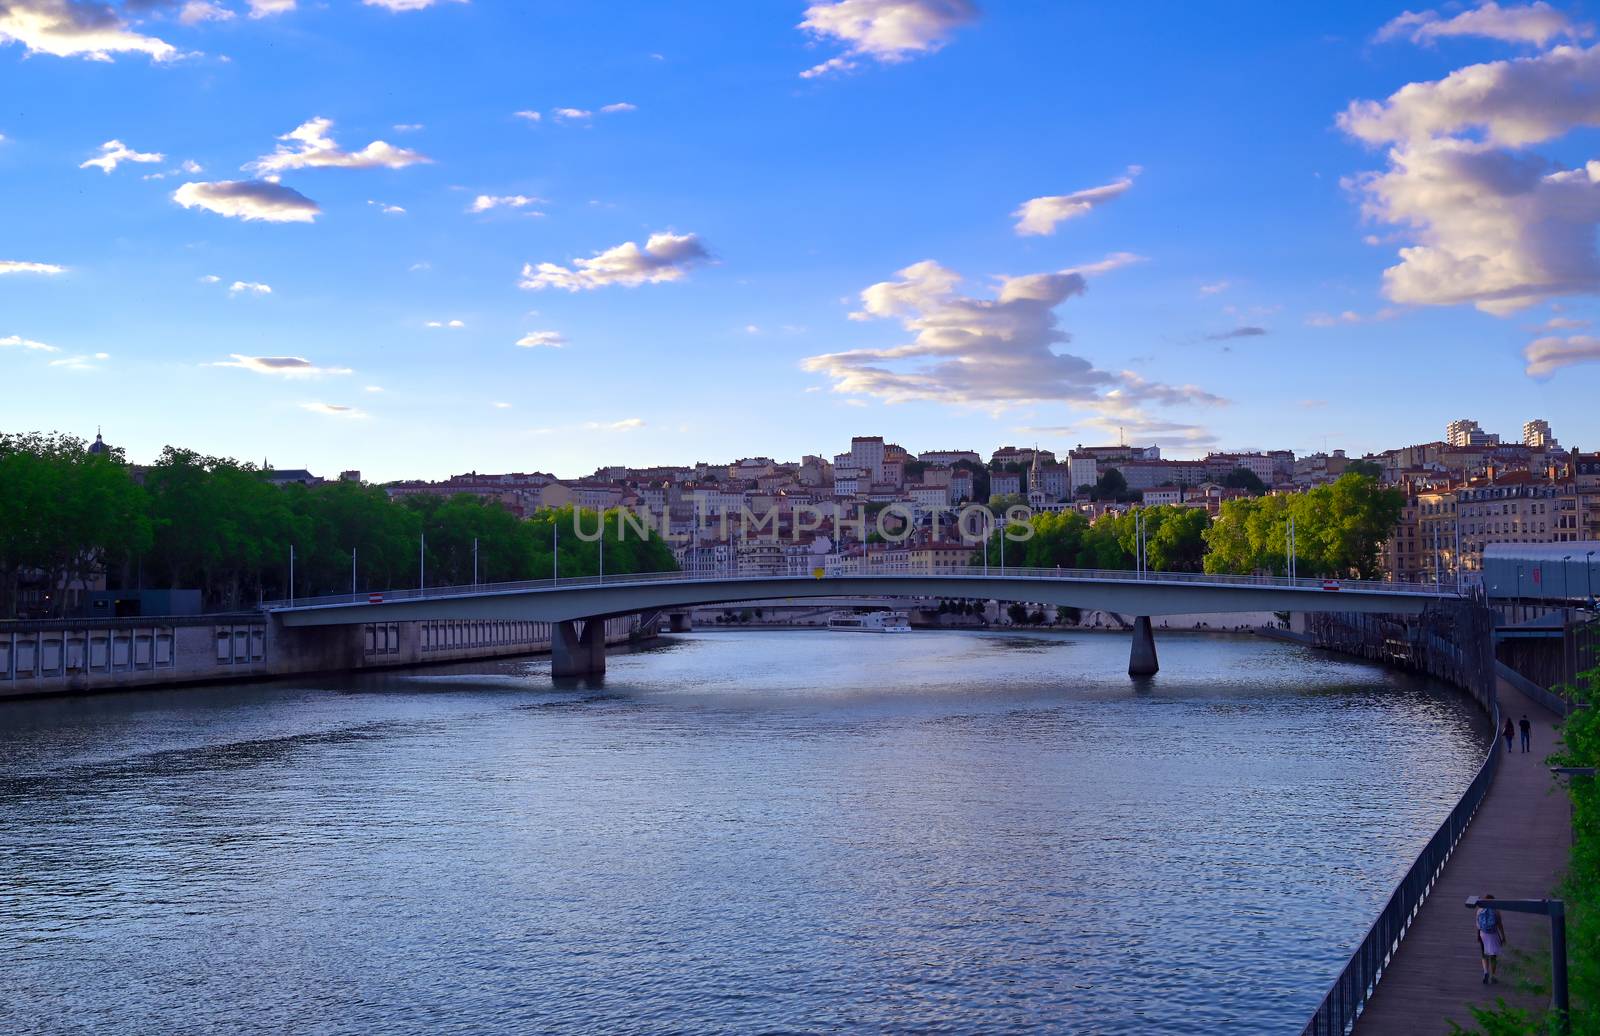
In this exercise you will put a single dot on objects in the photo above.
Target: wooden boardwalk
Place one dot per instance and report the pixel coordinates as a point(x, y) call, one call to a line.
point(1516, 848)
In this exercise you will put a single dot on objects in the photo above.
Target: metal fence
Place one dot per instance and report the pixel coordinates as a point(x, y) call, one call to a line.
point(1452, 642)
point(849, 569)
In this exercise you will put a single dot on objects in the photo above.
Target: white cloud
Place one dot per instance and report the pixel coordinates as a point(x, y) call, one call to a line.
point(408, 127)
point(883, 30)
point(664, 257)
point(1547, 355)
point(83, 362)
point(627, 424)
point(18, 342)
point(1492, 225)
point(1114, 261)
point(334, 409)
point(18, 266)
point(1350, 316)
point(251, 287)
point(197, 11)
point(405, 5)
point(113, 152)
point(88, 29)
point(387, 209)
point(570, 114)
point(282, 366)
point(249, 200)
point(542, 339)
point(530, 115)
point(1214, 288)
point(308, 145)
point(445, 323)
point(987, 353)
point(1537, 23)
point(501, 406)
point(1040, 215)
point(485, 202)
point(1563, 324)
point(620, 106)
point(372, 388)
point(268, 8)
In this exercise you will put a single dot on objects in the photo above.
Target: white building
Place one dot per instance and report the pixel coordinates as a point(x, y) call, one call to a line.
point(1536, 433)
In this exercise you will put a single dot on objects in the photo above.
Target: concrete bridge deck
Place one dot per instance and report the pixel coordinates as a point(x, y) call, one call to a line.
point(1516, 848)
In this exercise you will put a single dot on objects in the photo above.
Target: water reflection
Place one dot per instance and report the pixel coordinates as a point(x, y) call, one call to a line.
point(797, 831)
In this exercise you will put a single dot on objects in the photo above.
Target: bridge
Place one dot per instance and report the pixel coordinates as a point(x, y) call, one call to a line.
point(576, 607)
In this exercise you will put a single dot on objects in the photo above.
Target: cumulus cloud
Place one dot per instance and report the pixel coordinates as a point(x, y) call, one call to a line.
point(113, 152)
point(542, 339)
point(18, 342)
point(445, 323)
point(571, 114)
point(268, 8)
point(309, 145)
point(1040, 215)
point(386, 208)
point(18, 266)
point(196, 11)
point(1536, 23)
point(990, 353)
point(486, 202)
point(1237, 332)
point(405, 5)
point(334, 409)
point(620, 106)
point(249, 287)
point(664, 257)
point(1547, 355)
point(89, 29)
point(1492, 224)
point(249, 200)
point(530, 115)
point(282, 366)
point(883, 30)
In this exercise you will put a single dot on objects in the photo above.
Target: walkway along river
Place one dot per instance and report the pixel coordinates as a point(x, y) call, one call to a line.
point(803, 831)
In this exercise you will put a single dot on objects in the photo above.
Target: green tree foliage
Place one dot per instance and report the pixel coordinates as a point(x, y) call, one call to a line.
point(1174, 537)
point(1247, 480)
point(1110, 486)
point(64, 513)
point(221, 526)
point(1370, 468)
point(1339, 529)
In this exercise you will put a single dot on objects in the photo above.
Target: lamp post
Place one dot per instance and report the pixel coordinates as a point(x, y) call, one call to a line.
point(1564, 561)
point(1588, 581)
point(291, 575)
point(1556, 910)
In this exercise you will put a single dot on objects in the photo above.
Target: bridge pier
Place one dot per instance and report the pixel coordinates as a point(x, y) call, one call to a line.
point(1142, 658)
point(680, 622)
point(578, 654)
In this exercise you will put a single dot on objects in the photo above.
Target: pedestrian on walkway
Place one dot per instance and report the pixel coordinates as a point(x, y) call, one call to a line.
point(1508, 732)
point(1491, 936)
point(1527, 729)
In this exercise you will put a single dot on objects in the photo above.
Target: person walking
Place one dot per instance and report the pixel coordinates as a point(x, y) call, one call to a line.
point(1508, 732)
point(1527, 730)
point(1491, 937)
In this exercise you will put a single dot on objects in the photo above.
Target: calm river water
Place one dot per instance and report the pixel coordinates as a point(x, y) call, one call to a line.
point(738, 832)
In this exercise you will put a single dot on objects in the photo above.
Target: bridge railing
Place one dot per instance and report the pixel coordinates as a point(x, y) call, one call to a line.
point(830, 568)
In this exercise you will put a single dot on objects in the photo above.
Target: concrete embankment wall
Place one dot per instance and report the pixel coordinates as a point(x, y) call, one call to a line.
point(89, 656)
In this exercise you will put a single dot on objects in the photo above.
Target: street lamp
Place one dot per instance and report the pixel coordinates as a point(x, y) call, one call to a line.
point(1564, 561)
point(1588, 581)
point(1556, 910)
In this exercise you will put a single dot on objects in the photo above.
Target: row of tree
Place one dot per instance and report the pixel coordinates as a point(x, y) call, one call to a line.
point(221, 526)
point(1339, 530)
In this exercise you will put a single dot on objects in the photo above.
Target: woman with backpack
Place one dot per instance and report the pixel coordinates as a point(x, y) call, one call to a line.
point(1491, 936)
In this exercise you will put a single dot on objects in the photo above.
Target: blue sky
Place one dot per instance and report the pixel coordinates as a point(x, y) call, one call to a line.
point(1224, 290)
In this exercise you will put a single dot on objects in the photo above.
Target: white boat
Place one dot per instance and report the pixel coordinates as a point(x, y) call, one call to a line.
point(870, 622)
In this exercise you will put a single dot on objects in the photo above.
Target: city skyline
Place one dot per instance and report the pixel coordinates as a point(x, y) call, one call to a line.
point(642, 241)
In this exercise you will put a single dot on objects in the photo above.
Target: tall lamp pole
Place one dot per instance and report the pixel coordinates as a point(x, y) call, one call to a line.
point(291, 574)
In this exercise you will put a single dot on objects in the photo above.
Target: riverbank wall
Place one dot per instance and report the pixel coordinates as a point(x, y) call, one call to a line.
point(89, 656)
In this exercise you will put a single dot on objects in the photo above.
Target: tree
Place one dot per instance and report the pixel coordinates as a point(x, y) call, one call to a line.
point(1247, 480)
point(1017, 614)
point(1339, 530)
point(1371, 469)
point(1111, 485)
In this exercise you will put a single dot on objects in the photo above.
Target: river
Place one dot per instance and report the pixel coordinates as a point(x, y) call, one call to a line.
point(761, 831)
